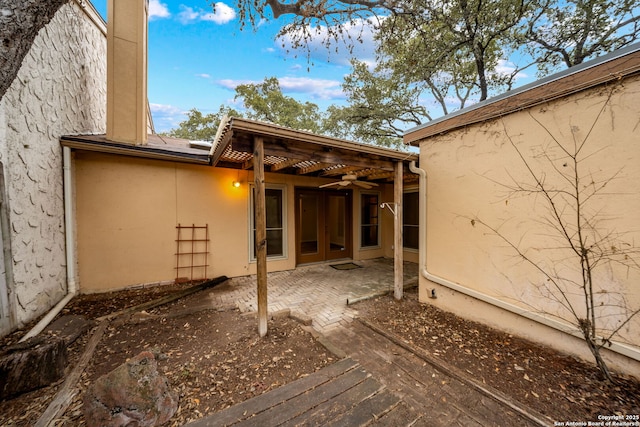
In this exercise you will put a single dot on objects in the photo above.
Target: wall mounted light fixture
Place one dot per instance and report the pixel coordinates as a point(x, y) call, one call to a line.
point(236, 182)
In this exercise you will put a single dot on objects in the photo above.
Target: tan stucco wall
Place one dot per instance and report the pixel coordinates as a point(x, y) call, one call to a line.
point(60, 89)
point(127, 71)
point(128, 208)
point(467, 170)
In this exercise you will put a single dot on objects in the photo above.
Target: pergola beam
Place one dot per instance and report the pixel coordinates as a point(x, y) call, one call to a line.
point(312, 168)
point(337, 156)
point(284, 164)
point(342, 170)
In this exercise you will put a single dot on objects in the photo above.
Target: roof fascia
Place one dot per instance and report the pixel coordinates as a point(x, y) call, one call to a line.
point(275, 131)
point(78, 143)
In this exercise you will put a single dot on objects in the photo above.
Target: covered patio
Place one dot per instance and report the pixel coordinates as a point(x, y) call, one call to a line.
point(247, 144)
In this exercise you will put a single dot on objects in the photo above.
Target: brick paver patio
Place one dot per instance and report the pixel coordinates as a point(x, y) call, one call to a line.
point(319, 291)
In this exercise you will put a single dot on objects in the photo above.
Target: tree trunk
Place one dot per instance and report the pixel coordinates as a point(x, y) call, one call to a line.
point(20, 22)
point(602, 365)
point(35, 363)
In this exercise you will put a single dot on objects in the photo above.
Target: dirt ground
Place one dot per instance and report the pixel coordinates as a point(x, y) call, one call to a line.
point(214, 358)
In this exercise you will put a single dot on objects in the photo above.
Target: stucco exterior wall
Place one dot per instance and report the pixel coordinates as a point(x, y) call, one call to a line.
point(472, 174)
point(128, 209)
point(60, 89)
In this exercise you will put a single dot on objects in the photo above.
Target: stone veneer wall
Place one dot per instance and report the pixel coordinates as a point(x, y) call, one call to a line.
point(60, 90)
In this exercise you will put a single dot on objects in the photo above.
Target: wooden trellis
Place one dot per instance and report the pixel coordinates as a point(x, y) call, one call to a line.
point(192, 254)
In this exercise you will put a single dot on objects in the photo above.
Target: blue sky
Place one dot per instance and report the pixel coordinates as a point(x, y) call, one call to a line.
point(196, 58)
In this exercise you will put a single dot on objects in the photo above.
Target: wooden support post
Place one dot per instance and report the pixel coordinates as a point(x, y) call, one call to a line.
point(398, 260)
point(261, 233)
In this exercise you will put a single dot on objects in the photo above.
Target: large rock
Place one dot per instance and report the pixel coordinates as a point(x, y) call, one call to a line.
point(132, 394)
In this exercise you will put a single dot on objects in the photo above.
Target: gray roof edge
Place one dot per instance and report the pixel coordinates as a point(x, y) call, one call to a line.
point(541, 82)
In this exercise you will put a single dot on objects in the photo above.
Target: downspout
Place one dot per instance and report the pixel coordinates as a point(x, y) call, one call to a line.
point(69, 226)
point(69, 221)
point(626, 350)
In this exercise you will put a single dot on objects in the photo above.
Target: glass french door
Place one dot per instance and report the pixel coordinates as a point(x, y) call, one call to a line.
point(323, 225)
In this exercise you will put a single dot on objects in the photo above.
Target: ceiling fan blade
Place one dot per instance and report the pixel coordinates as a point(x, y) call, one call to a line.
point(364, 185)
point(331, 184)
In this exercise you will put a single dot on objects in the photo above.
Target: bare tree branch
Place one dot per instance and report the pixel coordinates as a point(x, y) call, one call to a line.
point(592, 305)
point(20, 22)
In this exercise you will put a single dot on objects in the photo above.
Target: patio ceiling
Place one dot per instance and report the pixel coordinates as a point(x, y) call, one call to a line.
point(304, 153)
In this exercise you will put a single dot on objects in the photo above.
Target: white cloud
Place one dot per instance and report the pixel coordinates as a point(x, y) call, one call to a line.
point(505, 67)
point(316, 88)
point(232, 84)
point(158, 10)
point(358, 42)
point(164, 109)
point(222, 14)
point(187, 14)
point(313, 88)
point(204, 75)
point(166, 117)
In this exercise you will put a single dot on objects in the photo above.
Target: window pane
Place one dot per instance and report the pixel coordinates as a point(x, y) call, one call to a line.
point(273, 204)
point(274, 242)
point(410, 236)
point(336, 218)
point(369, 209)
point(309, 205)
point(369, 235)
point(369, 220)
point(410, 220)
point(274, 222)
point(410, 208)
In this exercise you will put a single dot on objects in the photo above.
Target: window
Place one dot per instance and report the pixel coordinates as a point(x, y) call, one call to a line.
point(275, 217)
point(410, 220)
point(369, 220)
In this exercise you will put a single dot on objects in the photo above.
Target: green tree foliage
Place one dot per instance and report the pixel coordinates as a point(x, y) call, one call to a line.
point(564, 34)
point(201, 127)
point(380, 108)
point(265, 101)
point(464, 39)
point(450, 50)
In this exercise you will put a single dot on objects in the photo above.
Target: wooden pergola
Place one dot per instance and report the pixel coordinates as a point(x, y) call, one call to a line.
point(248, 144)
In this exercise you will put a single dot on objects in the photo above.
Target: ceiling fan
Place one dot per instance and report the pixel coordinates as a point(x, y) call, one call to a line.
point(351, 180)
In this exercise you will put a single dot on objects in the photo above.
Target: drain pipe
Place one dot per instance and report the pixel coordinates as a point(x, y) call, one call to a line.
point(626, 350)
point(69, 226)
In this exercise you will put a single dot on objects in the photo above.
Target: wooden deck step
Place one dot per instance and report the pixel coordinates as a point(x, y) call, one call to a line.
point(437, 398)
point(367, 411)
point(400, 415)
point(332, 408)
point(341, 394)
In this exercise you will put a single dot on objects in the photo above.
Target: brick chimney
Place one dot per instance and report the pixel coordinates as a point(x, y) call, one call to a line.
point(127, 71)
